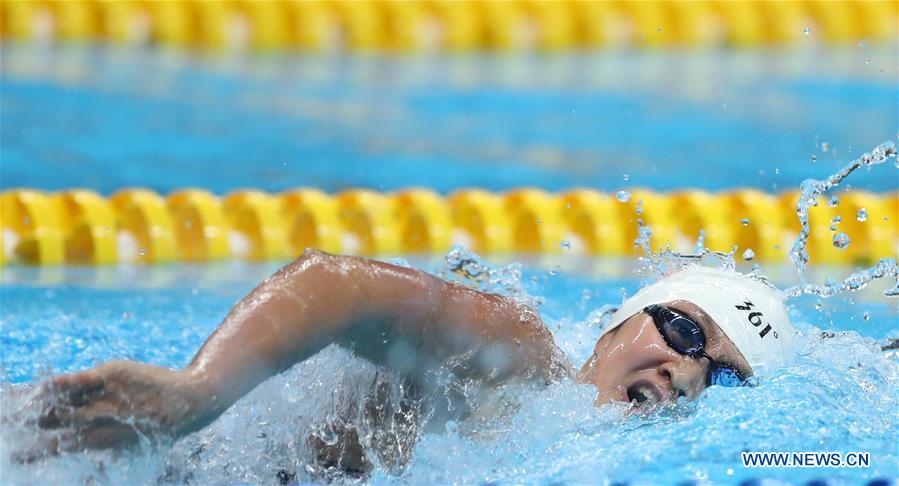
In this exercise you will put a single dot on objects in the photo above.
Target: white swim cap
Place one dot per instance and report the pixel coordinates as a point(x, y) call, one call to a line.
point(751, 313)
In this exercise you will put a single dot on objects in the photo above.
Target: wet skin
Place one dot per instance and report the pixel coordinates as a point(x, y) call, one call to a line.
point(321, 299)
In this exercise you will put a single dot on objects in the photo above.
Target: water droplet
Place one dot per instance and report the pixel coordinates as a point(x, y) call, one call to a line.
point(776, 171)
point(566, 245)
point(862, 215)
point(836, 220)
point(865, 316)
point(744, 221)
point(807, 30)
point(568, 205)
point(539, 221)
point(818, 304)
point(841, 240)
point(626, 177)
point(623, 196)
point(142, 252)
point(867, 60)
point(825, 146)
point(452, 428)
point(328, 436)
point(833, 201)
point(748, 255)
point(814, 158)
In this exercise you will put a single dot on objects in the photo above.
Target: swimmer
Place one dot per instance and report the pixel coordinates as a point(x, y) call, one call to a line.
point(695, 328)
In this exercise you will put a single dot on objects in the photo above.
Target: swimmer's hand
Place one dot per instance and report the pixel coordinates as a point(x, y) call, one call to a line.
point(115, 404)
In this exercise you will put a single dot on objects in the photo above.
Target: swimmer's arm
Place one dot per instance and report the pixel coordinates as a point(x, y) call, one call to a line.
point(397, 317)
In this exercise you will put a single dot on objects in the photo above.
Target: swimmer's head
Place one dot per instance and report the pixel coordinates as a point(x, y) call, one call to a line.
point(690, 329)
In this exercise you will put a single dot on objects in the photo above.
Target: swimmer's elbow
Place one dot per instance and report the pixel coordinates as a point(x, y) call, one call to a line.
point(311, 257)
point(314, 262)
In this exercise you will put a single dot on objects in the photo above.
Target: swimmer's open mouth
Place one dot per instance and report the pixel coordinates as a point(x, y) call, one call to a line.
point(643, 392)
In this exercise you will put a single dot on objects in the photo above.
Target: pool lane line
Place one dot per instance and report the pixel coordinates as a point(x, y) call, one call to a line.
point(438, 26)
point(80, 227)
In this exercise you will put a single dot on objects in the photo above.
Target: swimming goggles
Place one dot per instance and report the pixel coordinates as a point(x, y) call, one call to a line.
point(685, 336)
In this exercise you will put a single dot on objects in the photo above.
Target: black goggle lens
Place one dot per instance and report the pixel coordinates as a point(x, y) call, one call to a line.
point(680, 332)
point(685, 336)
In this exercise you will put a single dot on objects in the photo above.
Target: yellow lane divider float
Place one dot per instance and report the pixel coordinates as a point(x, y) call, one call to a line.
point(80, 227)
point(448, 25)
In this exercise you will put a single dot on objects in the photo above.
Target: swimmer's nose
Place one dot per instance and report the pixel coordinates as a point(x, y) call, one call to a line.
point(687, 376)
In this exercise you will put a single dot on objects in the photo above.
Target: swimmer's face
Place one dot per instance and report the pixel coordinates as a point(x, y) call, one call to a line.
point(634, 363)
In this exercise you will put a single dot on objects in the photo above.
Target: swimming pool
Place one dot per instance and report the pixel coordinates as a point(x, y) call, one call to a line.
point(106, 119)
point(840, 395)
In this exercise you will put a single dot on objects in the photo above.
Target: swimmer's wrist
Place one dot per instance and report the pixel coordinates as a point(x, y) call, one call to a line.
point(203, 405)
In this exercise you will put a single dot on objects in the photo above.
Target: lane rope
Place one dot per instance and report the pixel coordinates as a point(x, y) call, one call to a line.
point(80, 227)
point(448, 25)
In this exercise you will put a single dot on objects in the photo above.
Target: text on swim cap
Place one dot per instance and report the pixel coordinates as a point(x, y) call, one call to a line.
point(755, 318)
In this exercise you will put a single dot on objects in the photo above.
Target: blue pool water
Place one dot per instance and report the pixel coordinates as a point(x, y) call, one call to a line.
point(111, 118)
point(840, 395)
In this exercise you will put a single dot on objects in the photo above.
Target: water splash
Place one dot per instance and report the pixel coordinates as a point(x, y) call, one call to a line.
point(886, 267)
point(467, 268)
point(811, 189)
point(699, 247)
point(841, 240)
point(644, 235)
point(668, 262)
